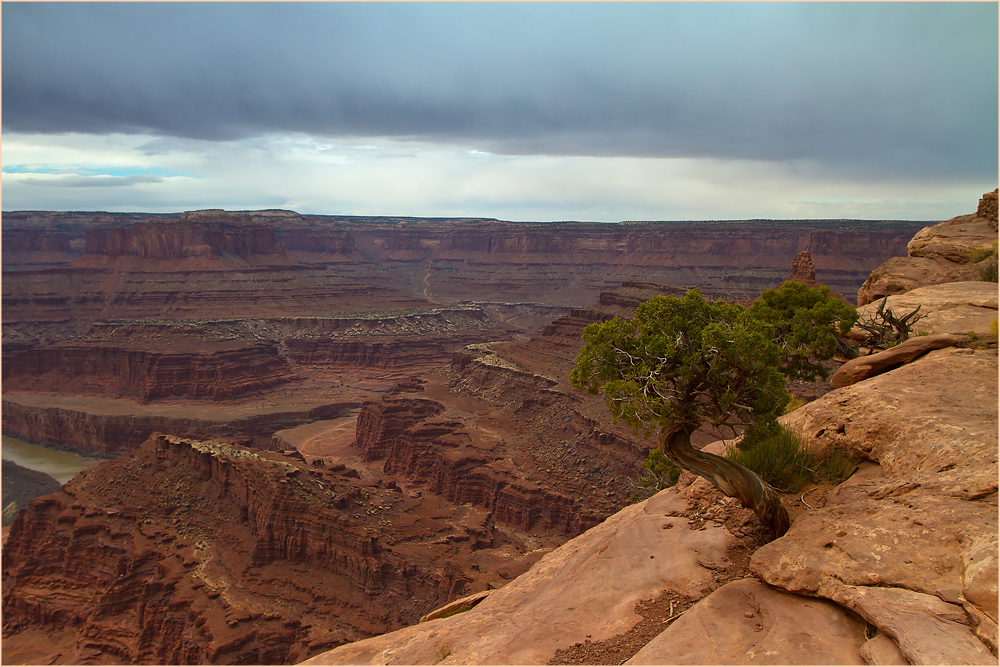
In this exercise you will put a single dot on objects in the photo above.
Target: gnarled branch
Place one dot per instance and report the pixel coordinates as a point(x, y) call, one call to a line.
point(729, 477)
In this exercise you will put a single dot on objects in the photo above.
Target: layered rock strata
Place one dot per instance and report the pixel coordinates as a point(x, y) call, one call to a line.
point(20, 485)
point(115, 431)
point(200, 552)
point(566, 264)
point(146, 375)
point(464, 466)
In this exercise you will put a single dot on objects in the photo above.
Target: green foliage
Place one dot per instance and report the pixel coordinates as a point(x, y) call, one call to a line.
point(657, 474)
point(987, 260)
point(683, 360)
point(807, 324)
point(779, 458)
point(794, 404)
point(979, 254)
point(836, 467)
point(987, 270)
point(994, 328)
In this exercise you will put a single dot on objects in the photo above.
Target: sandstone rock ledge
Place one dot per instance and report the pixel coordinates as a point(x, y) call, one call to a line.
point(955, 308)
point(937, 254)
point(898, 565)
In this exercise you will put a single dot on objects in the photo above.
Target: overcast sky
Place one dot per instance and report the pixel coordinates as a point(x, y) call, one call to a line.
point(521, 111)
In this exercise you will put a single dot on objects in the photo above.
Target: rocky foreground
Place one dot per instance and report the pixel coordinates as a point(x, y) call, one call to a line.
point(897, 565)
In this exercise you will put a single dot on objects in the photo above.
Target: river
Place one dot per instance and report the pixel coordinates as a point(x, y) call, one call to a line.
point(63, 466)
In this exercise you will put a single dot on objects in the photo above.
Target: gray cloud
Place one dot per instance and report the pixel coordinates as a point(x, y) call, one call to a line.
point(904, 90)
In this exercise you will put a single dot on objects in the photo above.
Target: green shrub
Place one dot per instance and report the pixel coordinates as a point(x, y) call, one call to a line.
point(983, 252)
point(836, 467)
point(657, 474)
point(987, 270)
point(987, 260)
point(777, 456)
point(794, 404)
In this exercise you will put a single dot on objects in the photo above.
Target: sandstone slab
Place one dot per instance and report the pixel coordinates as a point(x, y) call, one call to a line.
point(932, 422)
point(881, 650)
point(899, 275)
point(936, 254)
point(927, 630)
point(953, 239)
point(862, 368)
point(908, 538)
point(748, 623)
point(586, 588)
point(956, 308)
point(909, 542)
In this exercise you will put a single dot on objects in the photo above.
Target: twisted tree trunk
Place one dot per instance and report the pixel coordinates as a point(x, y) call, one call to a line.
point(729, 477)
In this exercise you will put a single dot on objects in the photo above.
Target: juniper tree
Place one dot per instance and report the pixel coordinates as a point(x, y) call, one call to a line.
point(683, 362)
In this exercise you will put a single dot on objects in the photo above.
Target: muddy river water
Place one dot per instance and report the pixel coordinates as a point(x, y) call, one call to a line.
point(63, 466)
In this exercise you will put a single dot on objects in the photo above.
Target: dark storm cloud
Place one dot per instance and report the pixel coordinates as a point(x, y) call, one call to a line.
point(898, 89)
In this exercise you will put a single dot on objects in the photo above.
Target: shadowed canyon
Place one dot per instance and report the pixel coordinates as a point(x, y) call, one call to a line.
point(305, 432)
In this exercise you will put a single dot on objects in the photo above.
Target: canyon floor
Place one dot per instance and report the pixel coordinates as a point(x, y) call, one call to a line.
point(323, 429)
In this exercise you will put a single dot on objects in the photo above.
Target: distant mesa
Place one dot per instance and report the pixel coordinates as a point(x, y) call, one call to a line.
point(195, 234)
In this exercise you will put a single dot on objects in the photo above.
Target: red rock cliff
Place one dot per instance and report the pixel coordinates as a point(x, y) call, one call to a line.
point(189, 237)
point(146, 375)
point(204, 552)
point(118, 433)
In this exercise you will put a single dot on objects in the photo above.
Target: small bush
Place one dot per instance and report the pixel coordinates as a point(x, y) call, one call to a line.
point(777, 455)
point(794, 404)
point(657, 474)
point(987, 270)
point(987, 260)
point(981, 253)
point(994, 328)
point(836, 467)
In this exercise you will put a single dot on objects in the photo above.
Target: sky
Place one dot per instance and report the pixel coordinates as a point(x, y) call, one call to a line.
point(521, 111)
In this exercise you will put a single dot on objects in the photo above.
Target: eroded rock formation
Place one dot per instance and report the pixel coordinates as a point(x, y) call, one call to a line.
point(988, 208)
point(908, 544)
point(567, 264)
point(207, 552)
point(192, 550)
point(20, 485)
point(115, 427)
point(226, 371)
point(942, 253)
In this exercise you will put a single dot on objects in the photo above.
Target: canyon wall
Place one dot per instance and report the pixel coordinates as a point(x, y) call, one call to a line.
point(146, 375)
point(444, 456)
point(204, 552)
point(228, 235)
point(565, 264)
point(102, 433)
